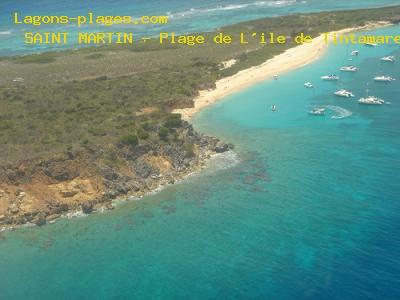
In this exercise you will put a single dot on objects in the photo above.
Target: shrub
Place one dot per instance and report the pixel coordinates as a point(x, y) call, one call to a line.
point(129, 140)
point(142, 134)
point(173, 121)
point(163, 133)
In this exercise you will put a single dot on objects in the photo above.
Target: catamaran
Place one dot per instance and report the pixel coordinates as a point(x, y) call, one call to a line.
point(344, 93)
point(371, 100)
point(384, 78)
point(349, 69)
point(330, 77)
point(388, 59)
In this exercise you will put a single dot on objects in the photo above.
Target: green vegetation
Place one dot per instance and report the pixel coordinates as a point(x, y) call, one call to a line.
point(130, 140)
point(163, 133)
point(98, 96)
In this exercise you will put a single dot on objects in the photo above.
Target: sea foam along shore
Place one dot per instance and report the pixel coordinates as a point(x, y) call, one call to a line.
point(289, 60)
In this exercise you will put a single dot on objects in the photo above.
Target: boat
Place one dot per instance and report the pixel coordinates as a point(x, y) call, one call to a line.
point(371, 100)
point(355, 53)
point(308, 84)
point(330, 78)
point(349, 69)
point(371, 44)
point(317, 111)
point(273, 107)
point(388, 59)
point(344, 93)
point(276, 77)
point(384, 78)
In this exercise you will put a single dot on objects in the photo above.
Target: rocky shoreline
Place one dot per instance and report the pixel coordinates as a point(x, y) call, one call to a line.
point(41, 190)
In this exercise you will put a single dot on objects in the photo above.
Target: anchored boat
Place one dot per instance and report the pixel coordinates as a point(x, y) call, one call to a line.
point(308, 84)
point(344, 93)
point(330, 78)
point(384, 78)
point(349, 69)
point(388, 59)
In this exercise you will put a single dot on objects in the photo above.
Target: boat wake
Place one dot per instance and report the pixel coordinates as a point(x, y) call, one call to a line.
point(340, 112)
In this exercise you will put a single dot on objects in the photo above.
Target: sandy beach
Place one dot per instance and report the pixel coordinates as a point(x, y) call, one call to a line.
point(289, 60)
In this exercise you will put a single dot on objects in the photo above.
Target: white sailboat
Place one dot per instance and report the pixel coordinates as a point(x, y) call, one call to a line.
point(384, 78)
point(370, 100)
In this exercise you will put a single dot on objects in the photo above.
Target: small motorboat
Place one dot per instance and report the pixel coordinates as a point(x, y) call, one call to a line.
point(308, 84)
point(344, 93)
point(388, 59)
point(275, 77)
point(317, 111)
point(349, 69)
point(273, 108)
point(355, 53)
point(330, 78)
point(384, 78)
point(371, 44)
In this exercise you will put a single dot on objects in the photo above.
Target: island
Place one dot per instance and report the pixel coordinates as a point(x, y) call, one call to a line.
point(80, 128)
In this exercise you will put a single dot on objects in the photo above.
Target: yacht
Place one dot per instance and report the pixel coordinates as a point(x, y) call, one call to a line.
point(388, 59)
point(330, 78)
point(371, 100)
point(317, 111)
point(308, 84)
point(384, 78)
point(349, 69)
point(355, 53)
point(344, 93)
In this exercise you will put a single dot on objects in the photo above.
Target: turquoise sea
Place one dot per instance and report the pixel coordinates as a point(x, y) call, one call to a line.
point(185, 16)
point(307, 209)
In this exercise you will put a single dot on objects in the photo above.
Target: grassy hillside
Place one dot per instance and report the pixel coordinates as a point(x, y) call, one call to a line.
point(107, 95)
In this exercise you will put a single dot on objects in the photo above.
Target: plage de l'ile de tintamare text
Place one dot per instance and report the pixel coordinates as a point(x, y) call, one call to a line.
point(44, 37)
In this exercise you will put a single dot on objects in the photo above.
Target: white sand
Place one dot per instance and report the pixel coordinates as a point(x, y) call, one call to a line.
point(289, 60)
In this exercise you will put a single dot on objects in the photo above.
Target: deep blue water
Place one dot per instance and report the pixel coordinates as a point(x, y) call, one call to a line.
point(185, 16)
point(309, 211)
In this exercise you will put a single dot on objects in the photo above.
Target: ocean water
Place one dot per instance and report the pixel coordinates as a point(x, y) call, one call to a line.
point(307, 209)
point(185, 16)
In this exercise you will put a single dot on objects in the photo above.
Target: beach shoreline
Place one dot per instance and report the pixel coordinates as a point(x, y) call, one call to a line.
point(291, 59)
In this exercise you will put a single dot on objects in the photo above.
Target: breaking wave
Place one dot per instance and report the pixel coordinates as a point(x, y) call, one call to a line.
point(228, 7)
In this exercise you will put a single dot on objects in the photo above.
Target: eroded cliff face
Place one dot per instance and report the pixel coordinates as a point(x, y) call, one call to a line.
point(40, 190)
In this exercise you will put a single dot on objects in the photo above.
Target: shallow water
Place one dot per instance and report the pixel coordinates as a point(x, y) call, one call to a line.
point(309, 212)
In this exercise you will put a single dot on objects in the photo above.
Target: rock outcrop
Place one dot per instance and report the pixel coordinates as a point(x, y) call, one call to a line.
point(40, 190)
